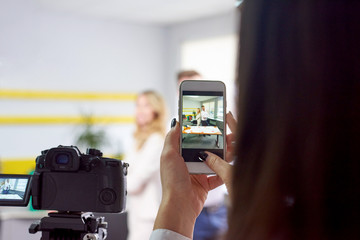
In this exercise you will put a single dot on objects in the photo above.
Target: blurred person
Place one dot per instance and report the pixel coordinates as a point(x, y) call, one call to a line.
point(204, 116)
point(198, 117)
point(188, 75)
point(181, 76)
point(296, 172)
point(143, 180)
point(211, 224)
point(6, 187)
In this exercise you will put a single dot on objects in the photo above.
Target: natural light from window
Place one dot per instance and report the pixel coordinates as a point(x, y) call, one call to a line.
point(215, 59)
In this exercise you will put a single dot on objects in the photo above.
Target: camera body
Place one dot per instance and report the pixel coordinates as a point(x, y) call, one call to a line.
point(67, 180)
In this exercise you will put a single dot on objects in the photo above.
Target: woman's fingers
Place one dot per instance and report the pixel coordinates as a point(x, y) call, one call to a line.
point(218, 165)
point(231, 122)
point(171, 146)
point(173, 136)
point(230, 142)
point(221, 168)
point(230, 138)
point(173, 169)
point(214, 182)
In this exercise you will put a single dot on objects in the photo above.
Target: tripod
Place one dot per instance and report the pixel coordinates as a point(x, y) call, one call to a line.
point(70, 226)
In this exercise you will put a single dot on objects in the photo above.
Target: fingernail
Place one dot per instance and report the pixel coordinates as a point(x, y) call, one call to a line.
point(202, 156)
point(231, 113)
point(173, 122)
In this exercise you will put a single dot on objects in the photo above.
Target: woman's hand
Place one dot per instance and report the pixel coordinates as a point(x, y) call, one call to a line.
point(223, 169)
point(184, 194)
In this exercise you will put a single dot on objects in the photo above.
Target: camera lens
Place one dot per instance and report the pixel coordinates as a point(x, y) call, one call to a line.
point(62, 159)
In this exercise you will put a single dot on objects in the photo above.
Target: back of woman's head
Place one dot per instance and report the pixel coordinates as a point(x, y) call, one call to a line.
point(298, 170)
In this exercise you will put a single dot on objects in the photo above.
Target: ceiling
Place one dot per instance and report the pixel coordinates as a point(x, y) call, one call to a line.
point(198, 98)
point(159, 12)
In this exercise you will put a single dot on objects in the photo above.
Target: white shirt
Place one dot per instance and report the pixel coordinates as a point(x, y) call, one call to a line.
point(165, 234)
point(204, 115)
point(7, 186)
point(144, 186)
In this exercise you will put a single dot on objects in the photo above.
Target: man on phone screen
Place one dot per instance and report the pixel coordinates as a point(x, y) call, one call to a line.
point(6, 187)
point(211, 224)
point(204, 116)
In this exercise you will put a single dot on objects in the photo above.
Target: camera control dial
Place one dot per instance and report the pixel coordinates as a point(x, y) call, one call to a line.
point(94, 152)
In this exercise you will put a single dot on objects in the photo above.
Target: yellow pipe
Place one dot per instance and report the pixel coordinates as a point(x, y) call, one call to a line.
point(39, 120)
point(17, 166)
point(62, 95)
point(24, 165)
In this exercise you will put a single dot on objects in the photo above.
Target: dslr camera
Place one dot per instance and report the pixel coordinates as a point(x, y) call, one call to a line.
point(67, 180)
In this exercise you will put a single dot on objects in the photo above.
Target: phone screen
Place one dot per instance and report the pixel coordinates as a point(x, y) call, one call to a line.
point(14, 189)
point(202, 124)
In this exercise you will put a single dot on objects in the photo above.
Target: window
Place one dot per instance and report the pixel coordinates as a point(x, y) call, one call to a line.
point(220, 110)
point(211, 109)
point(215, 59)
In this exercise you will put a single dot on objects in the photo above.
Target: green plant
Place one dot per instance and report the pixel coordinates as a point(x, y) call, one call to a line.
point(91, 137)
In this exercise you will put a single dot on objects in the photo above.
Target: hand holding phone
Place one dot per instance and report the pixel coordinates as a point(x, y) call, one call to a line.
point(202, 105)
point(184, 191)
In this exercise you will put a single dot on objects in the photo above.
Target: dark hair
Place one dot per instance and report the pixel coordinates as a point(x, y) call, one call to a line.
point(297, 174)
point(187, 73)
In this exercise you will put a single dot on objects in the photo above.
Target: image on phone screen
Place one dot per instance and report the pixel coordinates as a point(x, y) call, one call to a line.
point(202, 123)
point(13, 189)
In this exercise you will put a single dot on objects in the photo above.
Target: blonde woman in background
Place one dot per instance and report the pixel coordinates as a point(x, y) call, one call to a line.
point(198, 116)
point(143, 181)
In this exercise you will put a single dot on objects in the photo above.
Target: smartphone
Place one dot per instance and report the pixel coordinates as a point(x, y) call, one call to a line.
point(14, 189)
point(202, 108)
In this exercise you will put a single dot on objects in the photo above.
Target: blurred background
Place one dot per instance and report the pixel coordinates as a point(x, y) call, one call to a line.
point(70, 70)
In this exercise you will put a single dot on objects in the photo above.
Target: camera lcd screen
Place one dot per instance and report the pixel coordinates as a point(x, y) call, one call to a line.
point(202, 123)
point(14, 189)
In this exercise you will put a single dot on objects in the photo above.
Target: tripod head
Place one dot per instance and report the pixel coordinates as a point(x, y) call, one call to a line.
point(71, 226)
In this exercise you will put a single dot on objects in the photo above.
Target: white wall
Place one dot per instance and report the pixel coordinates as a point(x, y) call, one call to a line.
point(187, 103)
point(41, 49)
point(221, 25)
point(52, 50)
point(191, 103)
